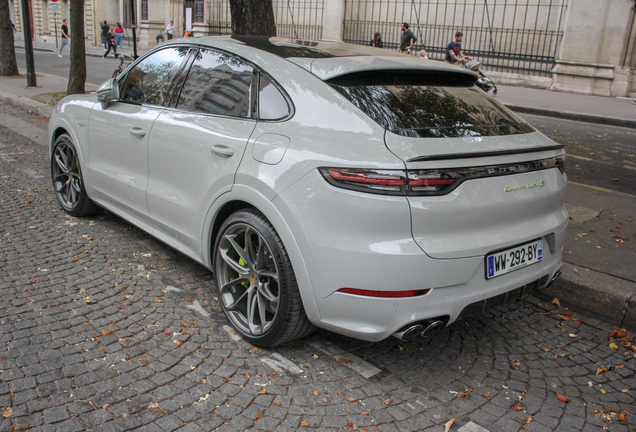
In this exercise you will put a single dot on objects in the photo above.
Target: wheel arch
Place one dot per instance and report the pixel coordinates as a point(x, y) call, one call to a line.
point(242, 197)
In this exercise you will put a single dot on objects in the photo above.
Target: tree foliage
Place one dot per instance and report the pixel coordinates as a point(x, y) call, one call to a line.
point(252, 18)
point(8, 62)
point(77, 71)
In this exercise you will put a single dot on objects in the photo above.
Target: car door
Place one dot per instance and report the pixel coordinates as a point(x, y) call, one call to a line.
point(118, 134)
point(196, 147)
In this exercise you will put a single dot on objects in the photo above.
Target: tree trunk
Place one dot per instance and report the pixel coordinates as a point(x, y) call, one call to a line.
point(77, 71)
point(8, 63)
point(252, 18)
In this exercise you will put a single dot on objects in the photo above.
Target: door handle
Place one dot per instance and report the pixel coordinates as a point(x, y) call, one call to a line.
point(138, 132)
point(222, 151)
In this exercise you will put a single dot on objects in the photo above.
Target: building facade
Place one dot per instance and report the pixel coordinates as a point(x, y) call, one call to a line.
point(581, 46)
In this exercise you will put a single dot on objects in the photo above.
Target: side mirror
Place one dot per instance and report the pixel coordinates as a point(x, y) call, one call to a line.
point(108, 92)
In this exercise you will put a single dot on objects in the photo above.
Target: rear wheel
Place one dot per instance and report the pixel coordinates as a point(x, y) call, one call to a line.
point(255, 281)
point(68, 183)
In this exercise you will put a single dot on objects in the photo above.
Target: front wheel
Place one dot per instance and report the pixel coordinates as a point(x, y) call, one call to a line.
point(255, 281)
point(68, 183)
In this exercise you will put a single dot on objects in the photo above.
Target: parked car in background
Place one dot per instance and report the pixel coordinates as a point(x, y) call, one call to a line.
point(325, 184)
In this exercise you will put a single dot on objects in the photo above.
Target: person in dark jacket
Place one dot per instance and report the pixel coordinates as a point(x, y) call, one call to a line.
point(376, 41)
point(111, 43)
point(408, 39)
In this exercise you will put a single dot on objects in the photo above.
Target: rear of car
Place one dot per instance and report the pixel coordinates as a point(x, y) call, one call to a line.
point(480, 196)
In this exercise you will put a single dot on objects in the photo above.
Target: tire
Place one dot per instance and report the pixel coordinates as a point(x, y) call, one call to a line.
point(255, 281)
point(68, 183)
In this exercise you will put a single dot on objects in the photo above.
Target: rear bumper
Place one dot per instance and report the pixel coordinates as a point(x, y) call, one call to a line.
point(376, 319)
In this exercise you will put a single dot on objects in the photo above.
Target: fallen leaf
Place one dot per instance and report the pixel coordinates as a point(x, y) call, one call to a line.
point(144, 361)
point(153, 405)
point(304, 423)
point(182, 324)
point(600, 370)
point(179, 342)
point(562, 397)
point(104, 350)
point(528, 421)
point(365, 412)
point(448, 424)
point(342, 393)
point(572, 335)
point(556, 302)
point(344, 361)
point(576, 271)
point(158, 299)
point(517, 407)
point(8, 412)
point(615, 180)
point(603, 391)
point(255, 349)
point(564, 318)
point(263, 391)
point(486, 395)
point(316, 393)
point(277, 403)
point(620, 335)
point(106, 333)
point(613, 346)
point(350, 399)
point(388, 401)
point(259, 416)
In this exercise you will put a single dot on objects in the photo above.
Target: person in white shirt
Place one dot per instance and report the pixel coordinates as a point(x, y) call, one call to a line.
point(170, 30)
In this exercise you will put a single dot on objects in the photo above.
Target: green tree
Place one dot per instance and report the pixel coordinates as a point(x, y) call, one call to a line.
point(252, 18)
point(77, 71)
point(8, 62)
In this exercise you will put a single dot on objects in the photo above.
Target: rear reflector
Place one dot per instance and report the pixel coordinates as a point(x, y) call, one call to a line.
point(383, 294)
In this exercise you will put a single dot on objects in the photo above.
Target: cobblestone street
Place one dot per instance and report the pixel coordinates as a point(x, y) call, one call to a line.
point(106, 329)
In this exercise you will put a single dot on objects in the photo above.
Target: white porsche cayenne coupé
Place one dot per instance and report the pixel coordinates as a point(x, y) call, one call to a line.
point(359, 190)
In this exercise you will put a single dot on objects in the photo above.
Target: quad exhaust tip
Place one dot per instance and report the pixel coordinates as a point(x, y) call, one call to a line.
point(421, 331)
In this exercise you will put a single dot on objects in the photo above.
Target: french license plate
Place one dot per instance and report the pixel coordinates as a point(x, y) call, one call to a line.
point(512, 259)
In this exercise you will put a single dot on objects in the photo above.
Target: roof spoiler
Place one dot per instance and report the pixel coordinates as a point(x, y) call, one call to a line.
point(394, 77)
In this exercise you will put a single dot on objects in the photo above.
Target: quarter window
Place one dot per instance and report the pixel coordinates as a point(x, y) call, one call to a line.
point(218, 84)
point(150, 81)
point(271, 102)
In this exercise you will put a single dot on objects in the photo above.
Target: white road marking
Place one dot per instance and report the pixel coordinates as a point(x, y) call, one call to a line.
point(472, 427)
point(27, 130)
point(233, 334)
point(196, 306)
point(353, 362)
point(629, 167)
point(281, 364)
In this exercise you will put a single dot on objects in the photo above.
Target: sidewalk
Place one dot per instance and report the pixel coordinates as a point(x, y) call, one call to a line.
point(599, 272)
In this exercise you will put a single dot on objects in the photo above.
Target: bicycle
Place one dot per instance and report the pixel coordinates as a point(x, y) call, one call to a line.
point(120, 68)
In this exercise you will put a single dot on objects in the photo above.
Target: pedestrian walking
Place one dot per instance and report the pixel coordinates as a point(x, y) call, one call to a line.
point(408, 39)
point(12, 26)
point(105, 30)
point(119, 36)
point(170, 30)
point(111, 43)
point(376, 41)
point(454, 53)
point(66, 39)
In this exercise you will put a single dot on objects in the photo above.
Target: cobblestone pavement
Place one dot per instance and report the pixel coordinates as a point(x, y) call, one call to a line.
point(105, 329)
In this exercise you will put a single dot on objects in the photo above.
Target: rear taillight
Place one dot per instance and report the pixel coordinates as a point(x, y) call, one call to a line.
point(423, 182)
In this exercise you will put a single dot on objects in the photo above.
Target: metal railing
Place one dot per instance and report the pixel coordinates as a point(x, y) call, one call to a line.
point(516, 36)
point(302, 19)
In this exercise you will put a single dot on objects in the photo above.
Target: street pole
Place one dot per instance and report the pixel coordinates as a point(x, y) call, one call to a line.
point(28, 43)
point(55, 21)
point(134, 28)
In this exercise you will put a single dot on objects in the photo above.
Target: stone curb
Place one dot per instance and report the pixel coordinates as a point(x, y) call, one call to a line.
point(38, 108)
point(596, 294)
point(569, 115)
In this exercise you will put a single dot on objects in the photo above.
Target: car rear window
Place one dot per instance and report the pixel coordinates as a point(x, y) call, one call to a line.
point(433, 111)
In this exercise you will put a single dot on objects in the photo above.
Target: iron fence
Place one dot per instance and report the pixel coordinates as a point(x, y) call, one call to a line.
point(302, 19)
point(517, 36)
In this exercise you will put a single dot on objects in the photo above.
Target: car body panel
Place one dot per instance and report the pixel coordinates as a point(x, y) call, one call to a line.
point(185, 175)
point(118, 168)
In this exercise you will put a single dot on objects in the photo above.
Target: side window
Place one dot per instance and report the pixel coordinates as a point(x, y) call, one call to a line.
point(218, 84)
point(271, 103)
point(150, 81)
